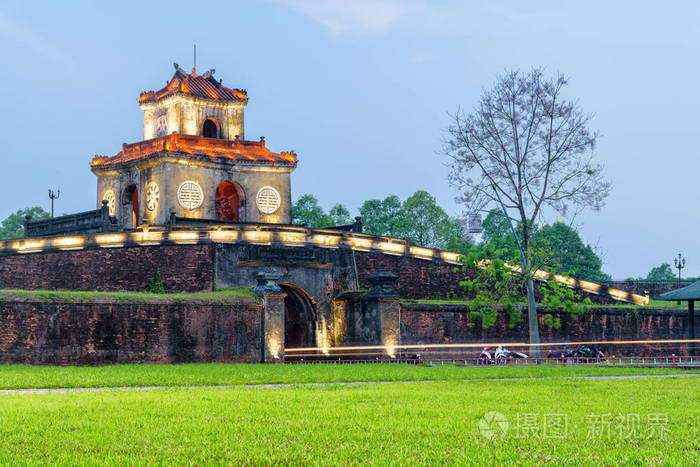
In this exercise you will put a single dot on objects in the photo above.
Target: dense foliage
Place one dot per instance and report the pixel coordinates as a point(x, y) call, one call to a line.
point(556, 247)
point(13, 225)
point(418, 218)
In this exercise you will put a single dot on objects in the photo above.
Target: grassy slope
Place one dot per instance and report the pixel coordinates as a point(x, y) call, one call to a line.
point(411, 423)
point(220, 296)
point(25, 376)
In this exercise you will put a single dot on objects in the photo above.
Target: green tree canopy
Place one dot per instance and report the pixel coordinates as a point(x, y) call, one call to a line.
point(383, 217)
point(307, 211)
point(339, 215)
point(13, 225)
point(556, 247)
point(661, 273)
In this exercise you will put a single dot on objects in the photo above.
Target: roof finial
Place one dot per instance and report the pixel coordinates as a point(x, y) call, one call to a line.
point(194, 67)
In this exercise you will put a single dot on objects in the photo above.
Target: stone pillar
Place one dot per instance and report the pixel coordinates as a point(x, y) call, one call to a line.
point(273, 315)
point(384, 299)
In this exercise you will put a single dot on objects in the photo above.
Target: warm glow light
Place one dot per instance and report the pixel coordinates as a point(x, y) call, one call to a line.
point(618, 294)
point(450, 257)
point(255, 236)
point(109, 239)
point(28, 246)
point(589, 286)
point(570, 281)
point(392, 248)
point(422, 252)
point(224, 236)
point(184, 237)
point(326, 240)
point(69, 242)
point(292, 237)
point(360, 243)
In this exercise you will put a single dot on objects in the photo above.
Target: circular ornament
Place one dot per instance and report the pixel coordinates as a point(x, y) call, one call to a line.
point(111, 201)
point(152, 196)
point(268, 200)
point(190, 195)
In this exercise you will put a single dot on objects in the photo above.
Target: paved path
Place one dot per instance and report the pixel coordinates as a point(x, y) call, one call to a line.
point(7, 392)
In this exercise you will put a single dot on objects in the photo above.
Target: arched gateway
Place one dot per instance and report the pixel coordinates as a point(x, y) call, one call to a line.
point(300, 317)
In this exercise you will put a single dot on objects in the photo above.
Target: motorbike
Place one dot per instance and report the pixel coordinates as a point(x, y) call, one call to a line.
point(584, 352)
point(499, 356)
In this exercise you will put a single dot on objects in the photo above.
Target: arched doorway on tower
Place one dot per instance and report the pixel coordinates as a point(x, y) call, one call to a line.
point(230, 201)
point(299, 318)
point(210, 128)
point(130, 206)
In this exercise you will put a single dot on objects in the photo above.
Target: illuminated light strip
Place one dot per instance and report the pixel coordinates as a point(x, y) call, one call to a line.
point(450, 257)
point(255, 236)
point(68, 242)
point(393, 248)
point(184, 238)
point(29, 246)
point(326, 240)
point(110, 239)
point(224, 236)
point(491, 344)
point(422, 252)
point(364, 244)
point(292, 237)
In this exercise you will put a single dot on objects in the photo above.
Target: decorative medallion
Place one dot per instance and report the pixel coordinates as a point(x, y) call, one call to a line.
point(268, 200)
point(152, 196)
point(190, 195)
point(161, 126)
point(111, 201)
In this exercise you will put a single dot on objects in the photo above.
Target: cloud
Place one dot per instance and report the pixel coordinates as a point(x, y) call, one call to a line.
point(29, 39)
point(351, 16)
point(420, 57)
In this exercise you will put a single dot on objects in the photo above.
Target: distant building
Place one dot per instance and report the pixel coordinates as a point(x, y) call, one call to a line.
point(194, 161)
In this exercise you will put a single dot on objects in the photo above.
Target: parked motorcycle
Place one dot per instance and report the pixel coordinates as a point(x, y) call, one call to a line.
point(500, 356)
point(584, 352)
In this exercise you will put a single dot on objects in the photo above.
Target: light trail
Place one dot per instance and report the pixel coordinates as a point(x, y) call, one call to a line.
point(481, 345)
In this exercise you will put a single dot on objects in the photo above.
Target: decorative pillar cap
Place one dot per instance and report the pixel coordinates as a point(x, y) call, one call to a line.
point(267, 283)
point(382, 285)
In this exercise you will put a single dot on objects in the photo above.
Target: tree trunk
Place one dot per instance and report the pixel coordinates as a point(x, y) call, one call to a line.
point(532, 322)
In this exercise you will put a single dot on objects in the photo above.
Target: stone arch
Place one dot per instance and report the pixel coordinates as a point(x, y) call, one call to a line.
point(130, 206)
point(211, 128)
point(299, 317)
point(230, 202)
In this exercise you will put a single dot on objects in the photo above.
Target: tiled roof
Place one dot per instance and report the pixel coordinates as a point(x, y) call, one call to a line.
point(197, 146)
point(202, 86)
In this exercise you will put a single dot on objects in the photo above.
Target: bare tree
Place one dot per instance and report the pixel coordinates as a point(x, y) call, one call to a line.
point(524, 149)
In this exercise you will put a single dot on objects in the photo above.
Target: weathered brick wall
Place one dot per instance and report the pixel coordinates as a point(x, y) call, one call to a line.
point(102, 333)
point(438, 324)
point(183, 268)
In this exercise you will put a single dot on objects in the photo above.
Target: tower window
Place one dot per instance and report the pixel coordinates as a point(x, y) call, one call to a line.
point(210, 128)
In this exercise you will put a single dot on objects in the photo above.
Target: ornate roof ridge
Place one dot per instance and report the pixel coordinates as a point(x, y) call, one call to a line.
point(203, 86)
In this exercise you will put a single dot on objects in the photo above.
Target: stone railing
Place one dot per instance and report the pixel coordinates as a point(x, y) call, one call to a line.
point(87, 222)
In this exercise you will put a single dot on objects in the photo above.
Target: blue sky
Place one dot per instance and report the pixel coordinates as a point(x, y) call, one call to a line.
point(362, 89)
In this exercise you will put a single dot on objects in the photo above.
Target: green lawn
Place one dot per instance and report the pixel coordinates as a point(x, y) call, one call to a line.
point(198, 374)
point(71, 296)
point(638, 422)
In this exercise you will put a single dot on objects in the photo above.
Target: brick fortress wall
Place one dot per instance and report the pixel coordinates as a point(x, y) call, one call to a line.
point(183, 268)
point(444, 324)
point(104, 333)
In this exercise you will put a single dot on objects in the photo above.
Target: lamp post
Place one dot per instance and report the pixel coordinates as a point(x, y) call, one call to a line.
point(680, 264)
point(53, 195)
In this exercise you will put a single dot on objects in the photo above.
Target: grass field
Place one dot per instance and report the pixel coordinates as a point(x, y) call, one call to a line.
point(201, 374)
point(558, 420)
point(226, 295)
